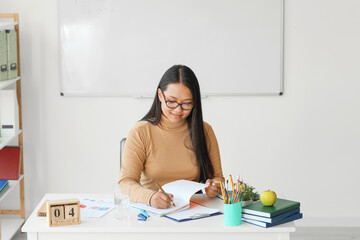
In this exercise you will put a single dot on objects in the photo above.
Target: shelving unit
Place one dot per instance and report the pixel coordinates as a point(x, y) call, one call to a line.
point(6, 140)
point(12, 184)
point(4, 84)
point(12, 220)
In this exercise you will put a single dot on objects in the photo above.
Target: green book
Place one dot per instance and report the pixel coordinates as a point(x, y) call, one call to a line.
point(280, 206)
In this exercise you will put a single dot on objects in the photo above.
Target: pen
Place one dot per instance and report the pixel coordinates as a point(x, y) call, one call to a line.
point(162, 190)
point(227, 191)
point(225, 199)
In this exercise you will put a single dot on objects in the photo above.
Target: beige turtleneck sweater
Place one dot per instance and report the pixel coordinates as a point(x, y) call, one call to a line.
point(162, 153)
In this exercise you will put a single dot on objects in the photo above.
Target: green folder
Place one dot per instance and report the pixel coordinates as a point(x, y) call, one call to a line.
point(3, 56)
point(12, 54)
point(279, 207)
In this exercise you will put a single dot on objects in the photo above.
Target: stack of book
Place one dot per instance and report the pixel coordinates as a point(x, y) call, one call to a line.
point(282, 211)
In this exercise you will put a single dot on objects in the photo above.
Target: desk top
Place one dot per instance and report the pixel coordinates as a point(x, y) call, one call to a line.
point(108, 223)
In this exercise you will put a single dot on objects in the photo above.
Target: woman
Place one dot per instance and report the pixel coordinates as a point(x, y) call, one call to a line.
point(171, 142)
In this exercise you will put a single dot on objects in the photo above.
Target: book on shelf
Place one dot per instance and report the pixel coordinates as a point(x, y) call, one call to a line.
point(290, 218)
point(10, 163)
point(273, 219)
point(182, 191)
point(280, 206)
point(3, 185)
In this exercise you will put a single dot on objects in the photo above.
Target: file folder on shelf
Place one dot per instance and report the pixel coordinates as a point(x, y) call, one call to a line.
point(12, 54)
point(3, 56)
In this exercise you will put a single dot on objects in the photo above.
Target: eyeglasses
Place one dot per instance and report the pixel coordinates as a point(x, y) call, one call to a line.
point(173, 105)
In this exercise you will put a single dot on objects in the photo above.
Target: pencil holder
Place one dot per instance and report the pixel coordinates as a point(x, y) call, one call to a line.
point(232, 214)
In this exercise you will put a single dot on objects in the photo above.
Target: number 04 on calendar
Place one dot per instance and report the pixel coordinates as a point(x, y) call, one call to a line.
point(63, 212)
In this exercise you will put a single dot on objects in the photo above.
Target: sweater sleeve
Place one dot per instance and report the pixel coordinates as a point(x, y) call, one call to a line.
point(133, 161)
point(214, 152)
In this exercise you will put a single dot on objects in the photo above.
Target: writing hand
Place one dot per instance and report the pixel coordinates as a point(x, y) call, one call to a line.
point(213, 188)
point(161, 200)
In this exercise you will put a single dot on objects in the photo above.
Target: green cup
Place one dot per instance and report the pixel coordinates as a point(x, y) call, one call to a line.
point(232, 214)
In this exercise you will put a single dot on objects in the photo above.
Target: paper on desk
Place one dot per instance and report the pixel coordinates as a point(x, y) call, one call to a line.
point(95, 207)
point(195, 211)
point(182, 191)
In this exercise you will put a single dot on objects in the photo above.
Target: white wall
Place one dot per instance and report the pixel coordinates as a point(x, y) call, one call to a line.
point(304, 144)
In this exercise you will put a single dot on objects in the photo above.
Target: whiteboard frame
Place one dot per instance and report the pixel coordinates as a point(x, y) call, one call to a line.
point(203, 95)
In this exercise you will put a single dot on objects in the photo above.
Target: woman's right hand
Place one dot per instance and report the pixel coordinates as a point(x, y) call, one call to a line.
point(161, 200)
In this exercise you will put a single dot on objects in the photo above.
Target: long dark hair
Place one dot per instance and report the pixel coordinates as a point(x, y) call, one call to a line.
point(183, 74)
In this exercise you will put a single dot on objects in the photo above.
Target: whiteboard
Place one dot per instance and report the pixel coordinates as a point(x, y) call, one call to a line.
point(123, 47)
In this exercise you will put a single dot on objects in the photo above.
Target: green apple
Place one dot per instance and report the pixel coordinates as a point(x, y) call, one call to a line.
point(268, 198)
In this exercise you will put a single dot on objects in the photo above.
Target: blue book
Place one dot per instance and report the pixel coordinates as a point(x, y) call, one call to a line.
point(273, 219)
point(3, 184)
point(296, 216)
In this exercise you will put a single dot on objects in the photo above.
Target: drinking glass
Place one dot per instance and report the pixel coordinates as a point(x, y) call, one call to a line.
point(122, 203)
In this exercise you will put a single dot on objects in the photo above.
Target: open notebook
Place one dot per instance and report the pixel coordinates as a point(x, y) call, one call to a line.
point(182, 191)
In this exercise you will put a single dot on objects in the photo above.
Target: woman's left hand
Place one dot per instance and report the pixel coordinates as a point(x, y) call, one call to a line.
point(213, 188)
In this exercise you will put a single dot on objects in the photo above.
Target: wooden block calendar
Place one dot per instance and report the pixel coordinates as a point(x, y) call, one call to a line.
point(63, 212)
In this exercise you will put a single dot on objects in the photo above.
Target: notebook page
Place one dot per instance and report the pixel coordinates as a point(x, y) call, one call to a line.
point(183, 189)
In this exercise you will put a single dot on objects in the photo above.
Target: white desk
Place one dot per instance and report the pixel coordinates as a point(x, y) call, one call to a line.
point(107, 227)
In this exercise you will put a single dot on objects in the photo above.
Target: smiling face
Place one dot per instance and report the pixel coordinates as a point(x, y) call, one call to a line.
point(175, 92)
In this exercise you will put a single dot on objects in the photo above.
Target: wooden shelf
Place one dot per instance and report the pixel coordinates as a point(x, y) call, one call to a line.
point(5, 140)
point(12, 184)
point(9, 226)
point(5, 83)
point(7, 25)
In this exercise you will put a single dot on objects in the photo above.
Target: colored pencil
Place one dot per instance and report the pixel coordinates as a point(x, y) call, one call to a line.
point(222, 191)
